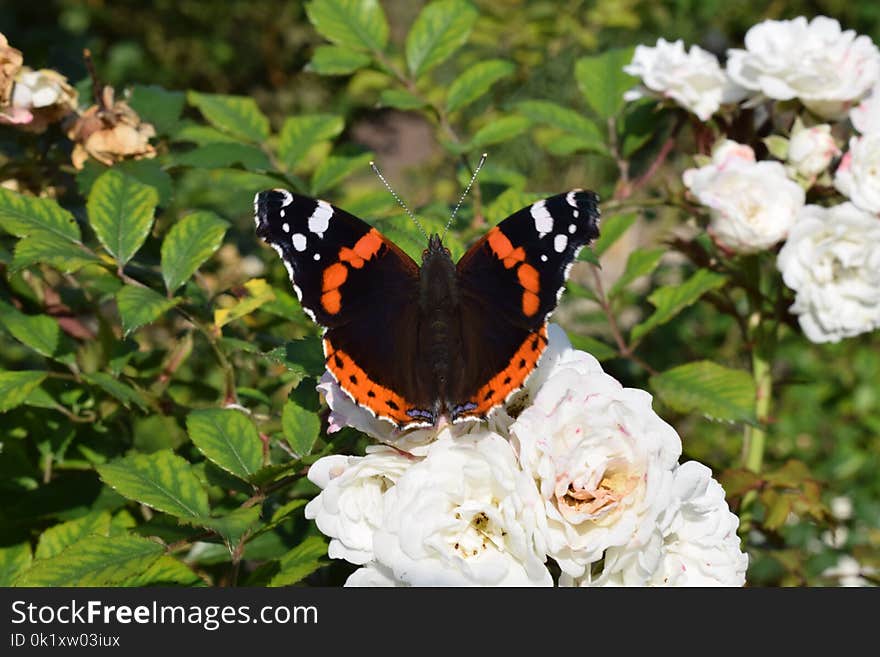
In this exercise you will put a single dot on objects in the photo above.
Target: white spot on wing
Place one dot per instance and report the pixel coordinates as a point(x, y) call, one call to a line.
point(543, 257)
point(560, 242)
point(572, 229)
point(282, 212)
point(299, 241)
point(575, 213)
point(320, 219)
point(285, 227)
point(570, 198)
point(543, 220)
point(288, 197)
point(317, 256)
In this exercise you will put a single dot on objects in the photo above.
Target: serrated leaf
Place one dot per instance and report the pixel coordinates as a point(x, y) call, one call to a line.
point(476, 81)
point(39, 332)
point(158, 106)
point(300, 133)
point(543, 111)
point(139, 306)
point(47, 248)
point(599, 350)
point(300, 427)
point(441, 28)
point(222, 155)
point(15, 387)
point(357, 24)
point(670, 300)
point(717, 392)
point(304, 356)
point(121, 212)
point(258, 293)
point(400, 99)
point(300, 562)
point(612, 228)
point(189, 243)
point(336, 168)
point(162, 480)
point(56, 538)
point(640, 262)
point(234, 525)
point(602, 81)
point(164, 571)
point(227, 438)
point(117, 389)
point(14, 560)
point(337, 60)
point(23, 215)
point(501, 129)
point(237, 115)
point(94, 561)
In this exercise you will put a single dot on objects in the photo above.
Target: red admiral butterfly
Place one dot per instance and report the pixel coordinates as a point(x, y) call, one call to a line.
point(412, 344)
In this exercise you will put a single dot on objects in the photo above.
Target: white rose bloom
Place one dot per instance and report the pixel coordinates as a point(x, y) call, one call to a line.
point(603, 461)
point(752, 204)
point(350, 505)
point(858, 176)
point(850, 573)
point(832, 261)
point(828, 69)
point(373, 575)
point(692, 79)
point(466, 515)
point(865, 116)
point(810, 150)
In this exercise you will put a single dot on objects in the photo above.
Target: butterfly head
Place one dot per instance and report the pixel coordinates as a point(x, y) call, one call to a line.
point(435, 248)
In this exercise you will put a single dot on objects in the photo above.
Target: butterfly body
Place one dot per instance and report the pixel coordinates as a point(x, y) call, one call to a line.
point(417, 343)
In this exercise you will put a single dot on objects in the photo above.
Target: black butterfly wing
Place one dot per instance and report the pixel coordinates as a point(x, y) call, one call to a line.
point(509, 283)
point(359, 285)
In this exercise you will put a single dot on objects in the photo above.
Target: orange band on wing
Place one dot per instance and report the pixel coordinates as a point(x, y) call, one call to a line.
point(332, 301)
point(334, 276)
point(366, 392)
point(364, 249)
point(511, 377)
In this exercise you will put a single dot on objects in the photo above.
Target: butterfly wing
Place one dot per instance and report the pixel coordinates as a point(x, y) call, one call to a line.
point(359, 285)
point(509, 282)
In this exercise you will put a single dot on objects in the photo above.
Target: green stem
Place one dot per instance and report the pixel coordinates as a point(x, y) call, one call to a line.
point(755, 437)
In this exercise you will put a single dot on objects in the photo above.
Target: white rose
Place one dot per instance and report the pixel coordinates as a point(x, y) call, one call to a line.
point(603, 461)
point(832, 261)
point(752, 204)
point(810, 150)
point(865, 116)
point(350, 505)
point(858, 175)
point(828, 69)
point(850, 573)
point(373, 575)
point(466, 515)
point(692, 79)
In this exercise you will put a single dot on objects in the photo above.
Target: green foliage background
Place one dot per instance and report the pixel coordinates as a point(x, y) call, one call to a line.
point(138, 302)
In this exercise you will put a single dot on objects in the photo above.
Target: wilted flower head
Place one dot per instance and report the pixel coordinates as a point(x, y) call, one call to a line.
point(10, 63)
point(45, 95)
point(827, 68)
point(110, 132)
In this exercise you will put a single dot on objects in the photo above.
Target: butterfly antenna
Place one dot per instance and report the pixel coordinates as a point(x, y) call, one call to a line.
point(398, 199)
point(465, 193)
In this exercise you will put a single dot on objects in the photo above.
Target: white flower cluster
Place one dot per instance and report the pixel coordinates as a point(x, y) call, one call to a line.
point(831, 255)
point(586, 475)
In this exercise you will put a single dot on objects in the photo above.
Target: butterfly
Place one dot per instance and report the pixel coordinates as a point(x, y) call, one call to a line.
point(416, 343)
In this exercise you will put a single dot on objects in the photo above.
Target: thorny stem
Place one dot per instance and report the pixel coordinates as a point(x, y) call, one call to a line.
point(97, 87)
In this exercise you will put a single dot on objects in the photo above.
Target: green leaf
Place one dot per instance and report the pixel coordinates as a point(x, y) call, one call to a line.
point(237, 115)
point(718, 392)
point(612, 228)
point(300, 133)
point(39, 332)
point(140, 305)
point(400, 99)
point(602, 81)
point(164, 571)
point(24, 215)
point(672, 299)
point(563, 118)
point(476, 81)
point(300, 562)
point(501, 129)
point(158, 106)
point(121, 212)
point(336, 60)
point(14, 560)
point(188, 131)
point(234, 525)
point(162, 480)
point(641, 262)
point(304, 356)
point(509, 201)
point(121, 391)
point(599, 350)
point(222, 155)
point(94, 561)
point(300, 427)
point(440, 29)
point(258, 293)
point(41, 247)
point(228, 438)
point(16, 386)
point(56, 538)
point(357, 24)
point(189, 243)
point(336, 168)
